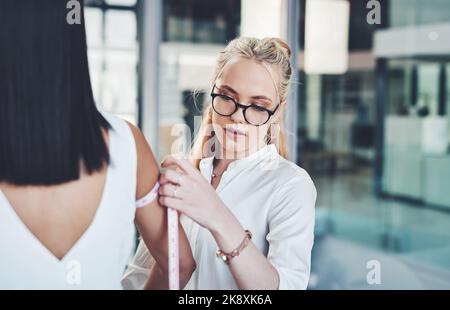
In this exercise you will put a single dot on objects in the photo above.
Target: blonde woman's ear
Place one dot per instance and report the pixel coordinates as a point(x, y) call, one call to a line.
point(279, 112)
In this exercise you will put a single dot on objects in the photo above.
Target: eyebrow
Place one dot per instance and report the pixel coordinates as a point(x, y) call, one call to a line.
point(231, 90)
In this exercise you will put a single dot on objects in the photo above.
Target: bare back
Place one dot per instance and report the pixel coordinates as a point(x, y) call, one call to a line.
point(58, 215)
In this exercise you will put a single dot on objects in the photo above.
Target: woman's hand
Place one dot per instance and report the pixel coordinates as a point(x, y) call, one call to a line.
point(187, 191)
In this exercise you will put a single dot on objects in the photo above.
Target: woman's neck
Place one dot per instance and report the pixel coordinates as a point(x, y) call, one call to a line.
point(222, 159)
point(220, 165)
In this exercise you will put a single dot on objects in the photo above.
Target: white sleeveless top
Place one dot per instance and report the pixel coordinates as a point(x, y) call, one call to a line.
point(99, 257)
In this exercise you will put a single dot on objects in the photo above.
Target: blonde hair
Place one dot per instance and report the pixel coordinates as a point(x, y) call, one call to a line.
point(272, 52)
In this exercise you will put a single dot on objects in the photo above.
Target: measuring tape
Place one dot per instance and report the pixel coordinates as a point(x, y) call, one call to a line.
point(172, 221)
point(174, 255)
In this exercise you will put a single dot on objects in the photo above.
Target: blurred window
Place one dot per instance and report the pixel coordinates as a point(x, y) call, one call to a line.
point(201, 21)
point(113, 50)
point(418, 12)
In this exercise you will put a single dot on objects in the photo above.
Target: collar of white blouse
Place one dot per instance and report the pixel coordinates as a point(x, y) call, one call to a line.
point(266, 154)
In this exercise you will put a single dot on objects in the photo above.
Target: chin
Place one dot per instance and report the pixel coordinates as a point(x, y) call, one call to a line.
point(235, 147)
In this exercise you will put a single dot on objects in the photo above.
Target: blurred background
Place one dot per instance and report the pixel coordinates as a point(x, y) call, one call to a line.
point(368, 116)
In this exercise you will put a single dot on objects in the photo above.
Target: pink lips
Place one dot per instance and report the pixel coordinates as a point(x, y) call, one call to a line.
point(234, 131)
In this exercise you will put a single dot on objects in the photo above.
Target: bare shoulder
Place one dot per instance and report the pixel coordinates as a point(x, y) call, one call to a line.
point(147, 167)
point(138, 135)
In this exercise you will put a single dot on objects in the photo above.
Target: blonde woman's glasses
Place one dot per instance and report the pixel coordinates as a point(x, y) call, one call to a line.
point(253, 114)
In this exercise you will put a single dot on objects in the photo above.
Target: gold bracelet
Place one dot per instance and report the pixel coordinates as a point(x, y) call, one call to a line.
point(227, 257)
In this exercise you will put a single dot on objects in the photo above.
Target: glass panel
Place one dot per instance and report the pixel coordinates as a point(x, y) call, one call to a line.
point(448, 95)
point(113, 59)
point(428, 87)
point(404, 227)
point(121, 30)
point(121, 2)
point(418, 12)
point(120, 91)
point(201, 20)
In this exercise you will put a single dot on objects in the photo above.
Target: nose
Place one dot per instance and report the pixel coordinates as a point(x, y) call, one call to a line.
point(238, 116)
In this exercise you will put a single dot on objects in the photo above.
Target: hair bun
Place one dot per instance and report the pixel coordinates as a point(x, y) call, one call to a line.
point(282, 44)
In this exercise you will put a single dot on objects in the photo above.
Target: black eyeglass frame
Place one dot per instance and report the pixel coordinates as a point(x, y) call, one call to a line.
point(238, 105)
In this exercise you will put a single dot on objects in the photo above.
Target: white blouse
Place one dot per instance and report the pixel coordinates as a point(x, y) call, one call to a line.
point(270, 196)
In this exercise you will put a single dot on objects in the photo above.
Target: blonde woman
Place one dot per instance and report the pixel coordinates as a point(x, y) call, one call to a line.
point(248, 212)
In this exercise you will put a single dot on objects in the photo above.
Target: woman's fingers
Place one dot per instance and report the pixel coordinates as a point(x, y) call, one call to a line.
point(170, 190)
point(171, 176)
point(183, 164)
point(170, 202)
